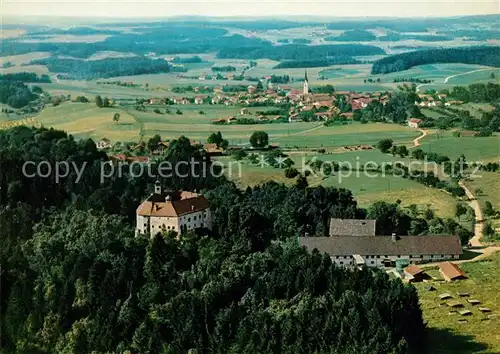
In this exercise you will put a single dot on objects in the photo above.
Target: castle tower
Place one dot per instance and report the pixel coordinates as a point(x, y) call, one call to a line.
point(157, 187)
point(306, 84)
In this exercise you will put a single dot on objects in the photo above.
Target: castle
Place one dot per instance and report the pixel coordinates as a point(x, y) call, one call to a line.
point(172, 211)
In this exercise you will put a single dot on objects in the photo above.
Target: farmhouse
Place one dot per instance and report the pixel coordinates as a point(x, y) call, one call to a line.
point(177, 211)
point(380, 251)
point(451, 271)
point(414, 122)
point(212, 149)
point(352, 227)
point(251, 89)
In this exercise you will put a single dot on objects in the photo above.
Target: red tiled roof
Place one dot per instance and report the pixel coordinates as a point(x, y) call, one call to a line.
point(189, 203)
point(451, 270)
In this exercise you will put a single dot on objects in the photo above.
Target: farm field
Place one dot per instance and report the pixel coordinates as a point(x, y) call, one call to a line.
point(474, 148)
point(369, 189)
point(489, 185)
point(446, 335)
point(351, 134)
point(87, 121)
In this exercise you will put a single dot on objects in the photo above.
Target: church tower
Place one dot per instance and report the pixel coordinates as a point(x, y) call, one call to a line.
point(306, 84)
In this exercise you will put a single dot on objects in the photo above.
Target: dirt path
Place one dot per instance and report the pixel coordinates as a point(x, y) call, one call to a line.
point(271, 139)
point(479, 226)
point(416, 142)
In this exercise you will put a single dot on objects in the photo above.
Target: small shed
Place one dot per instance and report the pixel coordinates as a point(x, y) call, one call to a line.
point(473, 301)
point(463, 294)
point(415, 274)
point(450, 271)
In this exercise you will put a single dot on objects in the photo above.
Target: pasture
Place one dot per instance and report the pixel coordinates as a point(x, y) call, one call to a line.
point(474, 148)
point(479, 334)
point(87, 121)
point(350, 134)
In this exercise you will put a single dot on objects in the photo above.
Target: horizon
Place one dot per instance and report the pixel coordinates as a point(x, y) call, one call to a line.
point(99, 10)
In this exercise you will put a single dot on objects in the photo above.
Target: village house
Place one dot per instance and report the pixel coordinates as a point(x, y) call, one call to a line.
point(104, 143)
point(244, 111)
point(202, 77)
point(360, 103)
point(200, 99)
point(213, 149)
point(285, 88)
point(414, 122)
point(172, 211)
point(321, 104)
point(156, 101)
point(162, 147)
point(181, 100)
point(251, 89)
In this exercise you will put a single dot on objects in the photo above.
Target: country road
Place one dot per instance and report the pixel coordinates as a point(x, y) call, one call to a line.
point(446, 79)
point(479, 226)
point(416, 141)
point(467, 73)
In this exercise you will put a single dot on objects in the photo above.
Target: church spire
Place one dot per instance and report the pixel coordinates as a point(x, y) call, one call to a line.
point(306, 84)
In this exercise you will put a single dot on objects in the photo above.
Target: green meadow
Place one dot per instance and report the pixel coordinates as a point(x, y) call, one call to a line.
point(479, 334)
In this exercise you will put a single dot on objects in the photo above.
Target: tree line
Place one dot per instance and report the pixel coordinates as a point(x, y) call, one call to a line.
point(488, 56)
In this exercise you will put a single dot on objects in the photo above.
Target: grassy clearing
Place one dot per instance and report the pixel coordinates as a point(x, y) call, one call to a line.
point(446, 335)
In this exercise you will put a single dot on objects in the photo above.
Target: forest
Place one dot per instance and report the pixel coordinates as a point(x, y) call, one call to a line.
point(16, 94)
point(357, 35)
point(488, 56)
point(313, 63)
point(110, 67)
point(25, 77)
point(76, 279)
point(299, 52)
point(394, 37)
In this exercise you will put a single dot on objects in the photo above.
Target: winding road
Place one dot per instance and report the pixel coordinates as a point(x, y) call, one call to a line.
point(446, 79)
point(416, 142)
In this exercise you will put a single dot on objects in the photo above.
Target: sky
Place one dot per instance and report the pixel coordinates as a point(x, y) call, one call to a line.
point(224, 8)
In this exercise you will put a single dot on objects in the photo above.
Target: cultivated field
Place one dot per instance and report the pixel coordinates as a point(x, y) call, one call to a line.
point(479, 334)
